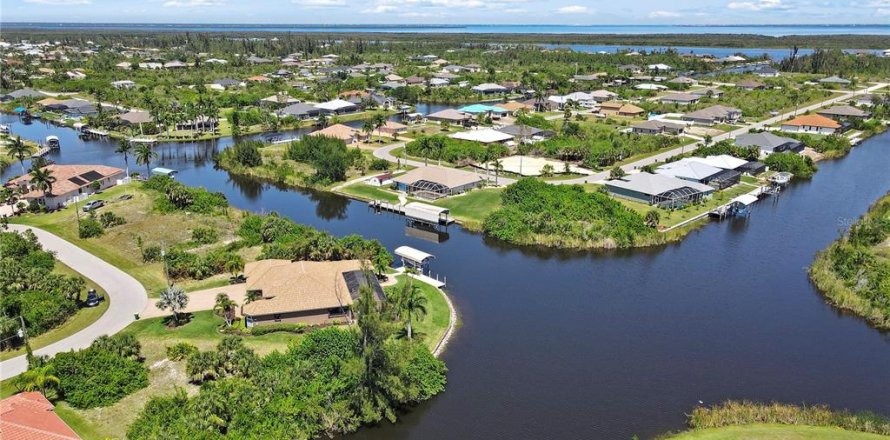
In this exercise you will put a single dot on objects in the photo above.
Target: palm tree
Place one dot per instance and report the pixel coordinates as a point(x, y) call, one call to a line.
point(438, 146)
point(19, 151)
point(322, 120)
point(413, 305)
point(144, 156)
point(251, 296)
point(125, 147)
point(225, 308)
point(173, 298)
point(498, 167)
point(379, 121)
point(38, 379)
point(43, 179)
point(367, 128)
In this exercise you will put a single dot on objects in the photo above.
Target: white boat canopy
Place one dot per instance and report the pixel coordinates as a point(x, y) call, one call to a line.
point(415, 256)
point(745, 199)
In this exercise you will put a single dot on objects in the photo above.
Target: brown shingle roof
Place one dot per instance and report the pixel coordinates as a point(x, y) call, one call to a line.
point(296, 286)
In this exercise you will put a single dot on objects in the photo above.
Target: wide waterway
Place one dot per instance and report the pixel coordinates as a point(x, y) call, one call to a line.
point(581, 345)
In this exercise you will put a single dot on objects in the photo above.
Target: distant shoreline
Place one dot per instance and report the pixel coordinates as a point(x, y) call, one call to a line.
point(850, 37)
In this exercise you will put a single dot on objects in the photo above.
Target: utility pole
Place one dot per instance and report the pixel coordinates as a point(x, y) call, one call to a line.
point(164, 260)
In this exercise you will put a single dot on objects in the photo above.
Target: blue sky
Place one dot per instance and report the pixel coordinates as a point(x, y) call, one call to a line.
point(451, 11)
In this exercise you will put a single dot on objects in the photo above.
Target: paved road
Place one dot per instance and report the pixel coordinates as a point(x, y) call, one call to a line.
point(126, 294)
point(661, 157)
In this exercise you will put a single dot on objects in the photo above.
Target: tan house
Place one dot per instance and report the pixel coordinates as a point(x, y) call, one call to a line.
point(72, 182)
point(343, 132)
point(305, 292)
point(620, 109)
point(390, 128)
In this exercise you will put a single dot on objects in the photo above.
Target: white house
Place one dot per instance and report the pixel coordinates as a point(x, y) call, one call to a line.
point(123, 84)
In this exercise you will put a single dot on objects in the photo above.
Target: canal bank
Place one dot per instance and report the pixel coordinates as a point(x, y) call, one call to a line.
point(560, 344)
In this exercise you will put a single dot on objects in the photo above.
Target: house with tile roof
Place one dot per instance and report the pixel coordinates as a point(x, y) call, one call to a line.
point(817, 124)
point(72, 182)
point(30, 416)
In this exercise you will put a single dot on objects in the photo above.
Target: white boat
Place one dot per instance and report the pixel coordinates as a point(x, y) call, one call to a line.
point(4, 129)
point(781, 178)
point(142, 140)
point(52, 142)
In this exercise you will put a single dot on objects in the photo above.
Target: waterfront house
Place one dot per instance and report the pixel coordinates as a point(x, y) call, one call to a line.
point(300, 110)
point(345, 133)
point(655, 126)
point(30, 416)
point(843, 113)
point(390, 128)
point(450, 116)
point(380, 179)
point(490, 110)
point(696, 171)
point(769, 143)
point(513, 106)
point(23, 93)
point(439, 82)
point(679, 98)
point(715, 114)
point(766, 72)
point(135, 117)
point(278, 100)
point(337, 106)
point(659, 190)
point(490, 89)
point(817, 124)
point(72, 181)
point(431, 182)
point(722, 161)
point(305, 292)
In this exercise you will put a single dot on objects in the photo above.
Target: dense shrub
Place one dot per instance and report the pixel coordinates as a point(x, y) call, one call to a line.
point(29, 289)
point(99, 376)
point(89, 227)
point(259, 330)
point(151, 253)
point(329, 156)
point(109, 219)
point(801, 166)
point(205, 235)
point(535, 212)
point(180, 197)
point(246, 154)
point(181, 351)
point(454, 150)
point(184, 264)
point(379, 164)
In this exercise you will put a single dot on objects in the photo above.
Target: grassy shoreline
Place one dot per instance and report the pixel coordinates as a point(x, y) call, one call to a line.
point(856, 295)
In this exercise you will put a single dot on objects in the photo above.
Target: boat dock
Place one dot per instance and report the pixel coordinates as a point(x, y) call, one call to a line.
point(738, 205)
point(420, 212)
point(43, 151)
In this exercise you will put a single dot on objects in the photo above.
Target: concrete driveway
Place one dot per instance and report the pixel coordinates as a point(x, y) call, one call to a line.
point(201, 300)
point(127, 297)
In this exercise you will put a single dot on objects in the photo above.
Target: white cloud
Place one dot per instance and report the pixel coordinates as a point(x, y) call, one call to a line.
point(759, 5)
point(60, 2)
point(883, 12)
point(380, 9)
point(319, 3)
point(515, 11)
point(573, 9)
point(664, 14)
point(192, 3)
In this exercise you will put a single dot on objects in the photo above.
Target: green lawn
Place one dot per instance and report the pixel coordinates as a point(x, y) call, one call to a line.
point(83, 318)
point(118, 245)
point(82, 427)
point(472, 208)
point(364, 191)
point(776, 432)
point(433, 326)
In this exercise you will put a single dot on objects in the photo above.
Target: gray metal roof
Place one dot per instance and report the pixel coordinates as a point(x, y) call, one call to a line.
point(765, 141)
point(655, 184)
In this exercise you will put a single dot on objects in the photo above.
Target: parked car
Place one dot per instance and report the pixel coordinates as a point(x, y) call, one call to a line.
point(95, 204)
point(125, 197)
point(92, 298)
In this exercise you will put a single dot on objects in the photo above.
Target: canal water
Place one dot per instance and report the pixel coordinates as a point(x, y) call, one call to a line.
point(582, 345)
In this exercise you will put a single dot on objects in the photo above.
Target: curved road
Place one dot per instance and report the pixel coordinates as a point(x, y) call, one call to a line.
point(127, 298)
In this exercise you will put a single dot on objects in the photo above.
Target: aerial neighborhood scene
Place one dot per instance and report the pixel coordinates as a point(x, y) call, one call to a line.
point(369, 220)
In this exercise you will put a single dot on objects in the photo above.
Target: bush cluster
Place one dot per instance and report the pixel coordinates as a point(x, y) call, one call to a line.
point(101, 374)
point(180, 197)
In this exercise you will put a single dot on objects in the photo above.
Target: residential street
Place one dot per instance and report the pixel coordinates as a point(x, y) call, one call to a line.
point(127, 297)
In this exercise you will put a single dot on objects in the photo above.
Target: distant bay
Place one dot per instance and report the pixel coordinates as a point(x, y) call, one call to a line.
point(766, 30)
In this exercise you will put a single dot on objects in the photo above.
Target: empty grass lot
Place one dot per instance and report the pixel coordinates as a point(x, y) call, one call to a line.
point(118, 245)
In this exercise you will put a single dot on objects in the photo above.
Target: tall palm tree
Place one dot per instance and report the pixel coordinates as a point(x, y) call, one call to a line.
point(19, 151)
point(413, 305)
point(438, 146)
point(125, 147)
point(38, 379)
point(144, 156)
point(42, 178)
point(367, 128)
point(379, 121)
point(225, 308)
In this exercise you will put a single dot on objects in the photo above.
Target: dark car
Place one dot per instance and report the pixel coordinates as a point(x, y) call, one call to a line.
point(125, 197)
point(95, 204)
point(92, 298)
